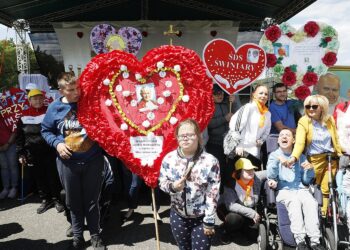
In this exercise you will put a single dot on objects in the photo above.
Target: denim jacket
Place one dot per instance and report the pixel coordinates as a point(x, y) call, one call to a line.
point(288, 178)
point(200, 195)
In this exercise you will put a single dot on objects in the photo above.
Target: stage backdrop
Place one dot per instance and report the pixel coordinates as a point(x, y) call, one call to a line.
point(74, 37)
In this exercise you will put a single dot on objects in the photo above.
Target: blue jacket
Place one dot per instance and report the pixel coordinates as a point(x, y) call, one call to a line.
point(288, 178)
point(61, 125)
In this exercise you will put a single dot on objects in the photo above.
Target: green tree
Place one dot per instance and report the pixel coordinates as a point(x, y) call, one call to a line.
point(8, 63)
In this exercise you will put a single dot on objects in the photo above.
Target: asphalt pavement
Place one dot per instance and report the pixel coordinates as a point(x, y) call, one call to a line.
point(22, 228)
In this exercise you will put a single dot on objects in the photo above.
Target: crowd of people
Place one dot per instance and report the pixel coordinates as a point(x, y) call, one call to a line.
point(73, 175)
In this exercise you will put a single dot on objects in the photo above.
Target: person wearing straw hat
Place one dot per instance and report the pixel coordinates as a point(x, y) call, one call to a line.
point(33, 150)
point(237, 203)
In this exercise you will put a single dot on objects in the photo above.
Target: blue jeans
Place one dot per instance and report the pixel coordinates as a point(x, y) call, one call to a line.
point(132, 183)
point(9, 167)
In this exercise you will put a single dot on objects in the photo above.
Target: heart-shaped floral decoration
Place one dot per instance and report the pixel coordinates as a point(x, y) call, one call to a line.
point(233, 69)
point(104, 38)
point(132, 108)
point(300, 57)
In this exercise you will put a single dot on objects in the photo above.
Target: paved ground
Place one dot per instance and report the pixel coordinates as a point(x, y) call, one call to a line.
point(22, 228)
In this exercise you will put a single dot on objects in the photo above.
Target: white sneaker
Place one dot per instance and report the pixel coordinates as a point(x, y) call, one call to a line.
point(4, 193)
point(12, 193)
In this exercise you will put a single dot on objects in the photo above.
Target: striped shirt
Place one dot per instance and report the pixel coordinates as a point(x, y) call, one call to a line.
point(321, 140)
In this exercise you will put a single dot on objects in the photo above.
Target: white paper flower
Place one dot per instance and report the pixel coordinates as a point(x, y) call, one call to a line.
point(185, 98)
point(124, 126)
point(160, 100)
point(123, 68)
point(106, 82)
point(168, 84)
point(146, 124)
point(108, 102)
point(137, 76)
point(162, 74)
point(119, 88)
point(133, 103)
point(160, 65)
point(151, 116)
point(177, 68)
point(173, 120)
point(126, 93)
point(125, 75)
point(166, 93)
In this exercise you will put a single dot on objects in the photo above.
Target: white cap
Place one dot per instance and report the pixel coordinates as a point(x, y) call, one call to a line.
point(31, 86)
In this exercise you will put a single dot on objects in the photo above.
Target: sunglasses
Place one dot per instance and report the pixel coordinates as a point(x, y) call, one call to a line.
point(314, 107)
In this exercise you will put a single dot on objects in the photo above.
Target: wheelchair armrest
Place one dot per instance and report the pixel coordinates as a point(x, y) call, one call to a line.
point(270, 196)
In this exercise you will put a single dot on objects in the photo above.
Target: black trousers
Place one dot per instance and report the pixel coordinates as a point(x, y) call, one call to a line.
point(45, 174)
point(82, 182)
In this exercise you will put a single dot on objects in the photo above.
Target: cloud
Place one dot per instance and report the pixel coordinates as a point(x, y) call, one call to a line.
point(334, 13)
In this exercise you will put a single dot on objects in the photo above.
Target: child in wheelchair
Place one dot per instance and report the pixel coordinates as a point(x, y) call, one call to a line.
point(237, 204)
point(293, 192)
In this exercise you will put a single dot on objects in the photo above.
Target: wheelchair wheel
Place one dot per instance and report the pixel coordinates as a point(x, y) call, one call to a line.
point(262, 238)
point(329, 239)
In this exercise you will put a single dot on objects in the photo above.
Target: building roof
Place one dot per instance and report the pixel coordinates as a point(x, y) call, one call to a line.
point(250, 13)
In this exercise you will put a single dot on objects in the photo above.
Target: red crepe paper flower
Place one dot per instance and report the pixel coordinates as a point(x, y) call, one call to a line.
point(311, 28)
point(273, 33)
point(290, 34)
point(329, 59)
point(289, 78)
point(310, 79)
point(287, 69)
point(328, 39)
point(302, 92)
point(271, 60)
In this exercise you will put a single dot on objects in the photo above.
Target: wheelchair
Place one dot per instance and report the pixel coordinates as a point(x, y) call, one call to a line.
point(274, 229)
point(335, 223)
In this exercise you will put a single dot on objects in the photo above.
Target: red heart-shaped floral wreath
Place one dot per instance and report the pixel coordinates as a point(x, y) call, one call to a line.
point(115, 110)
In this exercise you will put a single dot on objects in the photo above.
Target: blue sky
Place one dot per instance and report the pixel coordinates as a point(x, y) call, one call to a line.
point(335, 13)
point(332, 12)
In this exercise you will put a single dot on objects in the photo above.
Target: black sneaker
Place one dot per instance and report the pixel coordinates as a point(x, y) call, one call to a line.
point(45, 205)
point(96, 243)
point(59, 207)
point(69, 232)
point(302, 246)
point(318, 247)
point(78, 243)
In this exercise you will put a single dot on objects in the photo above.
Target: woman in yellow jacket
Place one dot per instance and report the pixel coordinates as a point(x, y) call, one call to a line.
point(316, 135)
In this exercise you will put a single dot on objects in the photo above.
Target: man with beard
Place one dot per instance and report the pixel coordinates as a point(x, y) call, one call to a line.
point(282, 115)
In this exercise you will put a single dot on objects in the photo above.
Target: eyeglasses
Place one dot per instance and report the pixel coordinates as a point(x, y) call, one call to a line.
point(186, 136)
point(314, 107)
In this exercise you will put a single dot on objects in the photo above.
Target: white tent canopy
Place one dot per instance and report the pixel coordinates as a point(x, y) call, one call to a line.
point(195, 35)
